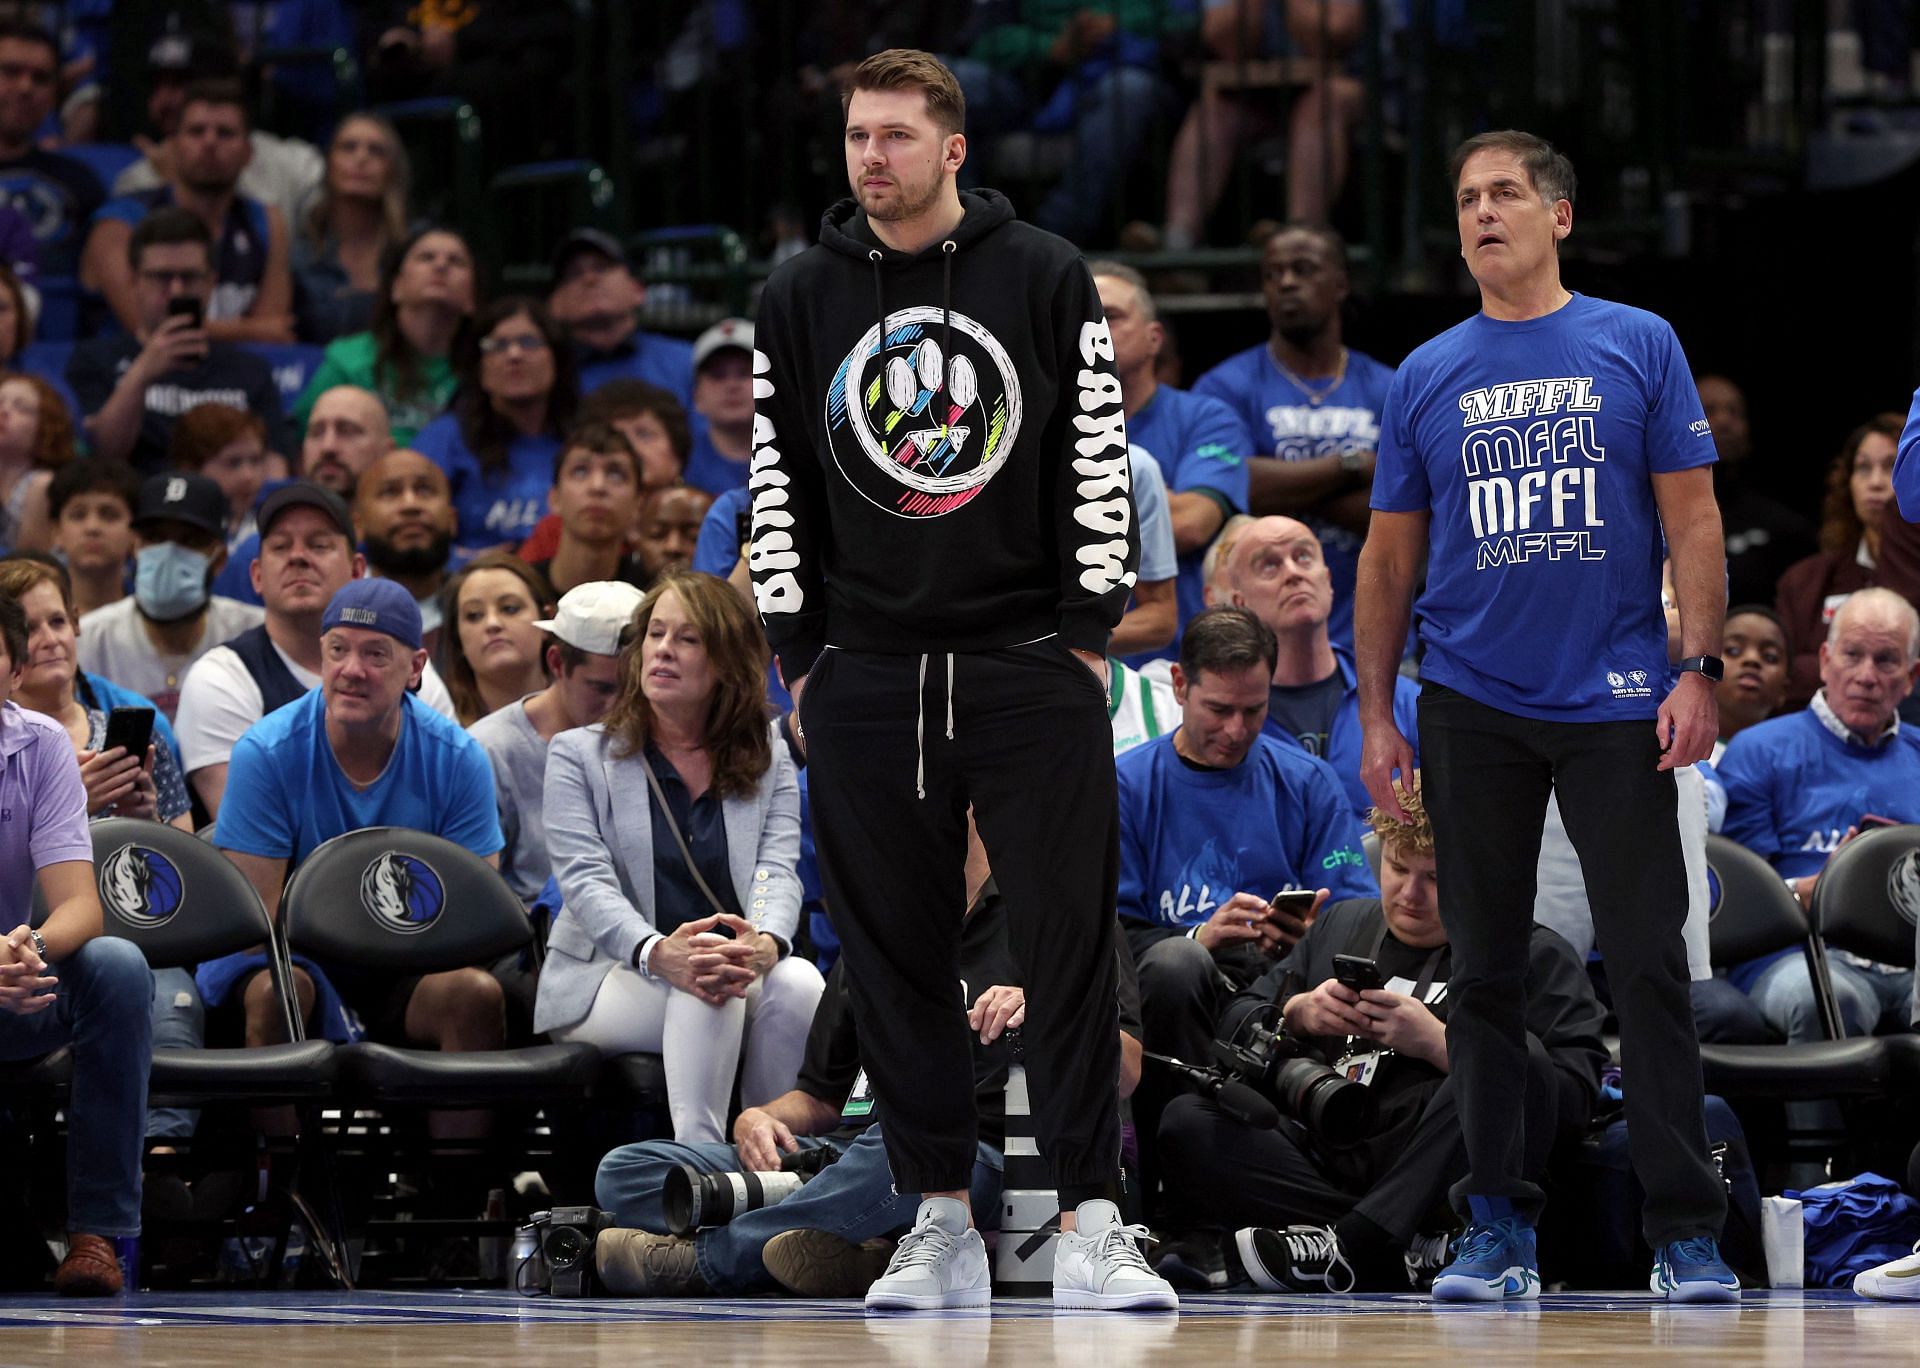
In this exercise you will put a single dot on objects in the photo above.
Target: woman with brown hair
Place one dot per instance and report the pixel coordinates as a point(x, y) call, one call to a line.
point(495, 654)
point(1859, 493)
point(359, 214)
point(229, 446)
point(674, 829)
point(36, 439)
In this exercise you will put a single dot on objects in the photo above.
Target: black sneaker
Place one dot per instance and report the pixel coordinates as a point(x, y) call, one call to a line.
point(1301, 1258)
point(1195, 1264)
point(1424, 1257)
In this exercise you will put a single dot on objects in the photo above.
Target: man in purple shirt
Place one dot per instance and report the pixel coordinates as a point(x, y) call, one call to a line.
point(64, 983)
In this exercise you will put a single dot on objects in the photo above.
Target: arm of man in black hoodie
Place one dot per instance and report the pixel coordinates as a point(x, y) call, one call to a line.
point(1096, 531)
point(789, 499)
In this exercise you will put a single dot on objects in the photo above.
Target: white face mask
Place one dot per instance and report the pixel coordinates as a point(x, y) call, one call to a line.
point(171, 581)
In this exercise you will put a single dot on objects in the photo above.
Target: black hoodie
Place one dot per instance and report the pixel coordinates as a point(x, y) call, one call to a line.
point(961, 488)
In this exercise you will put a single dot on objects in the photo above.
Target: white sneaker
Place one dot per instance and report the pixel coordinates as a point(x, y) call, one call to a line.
point(939, 1264)
point(1896, 1281)
point(1098, 1266)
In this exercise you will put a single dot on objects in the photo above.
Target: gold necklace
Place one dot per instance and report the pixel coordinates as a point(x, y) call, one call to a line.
point(1315, 397)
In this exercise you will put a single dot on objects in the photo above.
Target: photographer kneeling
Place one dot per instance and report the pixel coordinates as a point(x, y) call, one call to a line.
point(827, 1239)
point(1345, 1217)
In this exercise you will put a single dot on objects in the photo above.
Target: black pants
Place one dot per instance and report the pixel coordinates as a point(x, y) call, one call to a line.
point(1221, 1174)
point(1486, 775)
point(895, 753)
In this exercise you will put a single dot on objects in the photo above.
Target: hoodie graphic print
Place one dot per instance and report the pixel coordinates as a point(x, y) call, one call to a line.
point(940, 454)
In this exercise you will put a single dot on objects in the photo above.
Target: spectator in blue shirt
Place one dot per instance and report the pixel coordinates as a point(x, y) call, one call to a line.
point(1196, 441)
point(1276, 569)
point(596, 298)
point(1797, 787)
point(516, 402)
point(1215, 818)
point(359, 751)
point(723, 397)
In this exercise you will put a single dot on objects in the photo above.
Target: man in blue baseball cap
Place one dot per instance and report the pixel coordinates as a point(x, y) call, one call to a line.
point(359, 751)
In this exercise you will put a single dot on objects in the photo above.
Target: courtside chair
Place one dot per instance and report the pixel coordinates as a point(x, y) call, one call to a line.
point(1866, 902)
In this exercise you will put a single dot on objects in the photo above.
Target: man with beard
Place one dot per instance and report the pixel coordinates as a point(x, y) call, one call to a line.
point(596, 495)
point(252, 300)
point(346, 432)
point(596, 298)
point(406, 519)
point(1311, 405)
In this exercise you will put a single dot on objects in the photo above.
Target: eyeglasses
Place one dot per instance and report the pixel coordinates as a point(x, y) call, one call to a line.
point(523, 342)
point(189, 280)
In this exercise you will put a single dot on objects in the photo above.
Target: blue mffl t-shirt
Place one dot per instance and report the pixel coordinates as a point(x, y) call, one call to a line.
point(1190, 838)
point(1196, 442)
point(1534, 444)
point(1279, 420)
point(503, 506)
point(286, 793)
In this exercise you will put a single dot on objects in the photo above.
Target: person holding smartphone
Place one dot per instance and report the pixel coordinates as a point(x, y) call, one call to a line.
point(1365, 992)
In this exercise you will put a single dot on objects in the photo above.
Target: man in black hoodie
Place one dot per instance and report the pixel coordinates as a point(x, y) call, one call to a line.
point(943, 537)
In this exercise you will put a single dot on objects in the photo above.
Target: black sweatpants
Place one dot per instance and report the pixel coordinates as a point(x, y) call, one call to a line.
point(1485, 778)
point(897, 747)
point(1222, 1174)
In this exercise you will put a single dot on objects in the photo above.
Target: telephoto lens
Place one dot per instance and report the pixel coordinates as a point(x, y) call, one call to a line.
point(1325, 1101)
point(695, 1200)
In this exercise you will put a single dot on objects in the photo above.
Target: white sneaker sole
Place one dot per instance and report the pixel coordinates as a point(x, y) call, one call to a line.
point(962, 1299)
point(1700, 1292)
point(1456, 1287)
point(1884, 1288)
point(1144, 1299)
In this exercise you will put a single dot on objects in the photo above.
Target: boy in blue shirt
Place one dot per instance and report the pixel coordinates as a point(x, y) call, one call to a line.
point(1545, 444)
point(359, 751)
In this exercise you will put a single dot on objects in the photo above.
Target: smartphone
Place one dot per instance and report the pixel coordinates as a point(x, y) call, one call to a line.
point(743, 528)
point(132, 728)
point(1357, 972)
point(1295, 902)
point(193, 310)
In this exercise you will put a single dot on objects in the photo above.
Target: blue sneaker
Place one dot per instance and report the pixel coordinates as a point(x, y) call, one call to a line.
point(1693, 1271)
point(1494, 1261)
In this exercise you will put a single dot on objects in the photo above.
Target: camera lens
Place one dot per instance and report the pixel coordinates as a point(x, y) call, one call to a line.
point(567, 1246)
point(1327, 1103)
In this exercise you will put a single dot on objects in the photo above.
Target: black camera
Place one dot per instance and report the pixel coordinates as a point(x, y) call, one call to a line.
point(694, 1200)
point(1329, 1104)
point(567, 1238)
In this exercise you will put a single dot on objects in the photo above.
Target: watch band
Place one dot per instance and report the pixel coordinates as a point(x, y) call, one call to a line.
point(39, 943)
point(1711, 666)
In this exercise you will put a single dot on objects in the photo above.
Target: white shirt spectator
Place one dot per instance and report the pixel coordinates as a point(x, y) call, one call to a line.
point(114, 643)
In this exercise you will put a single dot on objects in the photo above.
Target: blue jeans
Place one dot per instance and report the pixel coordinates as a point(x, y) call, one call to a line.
point(1112, 114)
point(103, 1009)
point(852, 1198)
point(1868, 998)
point(179, 1022)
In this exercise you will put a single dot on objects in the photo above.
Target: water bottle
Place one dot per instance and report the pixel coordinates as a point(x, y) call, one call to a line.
point(526, 1263)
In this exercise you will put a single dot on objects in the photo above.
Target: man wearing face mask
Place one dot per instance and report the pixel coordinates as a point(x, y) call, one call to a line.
point(148, 642)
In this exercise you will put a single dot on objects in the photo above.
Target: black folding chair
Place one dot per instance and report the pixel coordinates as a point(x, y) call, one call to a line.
point(1867, 902)
point(396, 902)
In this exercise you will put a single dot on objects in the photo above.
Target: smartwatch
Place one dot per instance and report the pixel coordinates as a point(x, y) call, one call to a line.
point(1710, 666)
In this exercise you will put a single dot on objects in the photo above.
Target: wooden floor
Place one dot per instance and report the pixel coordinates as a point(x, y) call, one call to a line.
point(1831, 1329)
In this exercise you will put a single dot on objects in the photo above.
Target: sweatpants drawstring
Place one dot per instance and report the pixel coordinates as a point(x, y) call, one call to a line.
point(920, 733)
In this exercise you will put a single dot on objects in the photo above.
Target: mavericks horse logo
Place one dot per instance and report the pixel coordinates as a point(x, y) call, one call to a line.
point(140, 886)
point(402, 892)
point(1903, 886)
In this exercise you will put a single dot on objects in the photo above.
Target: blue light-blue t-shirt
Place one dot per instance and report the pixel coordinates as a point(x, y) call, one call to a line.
point(1196, 441)
point(706, 468)
point(504, 506)
point(1191, 838)
point(1279, 420)
point(1344, 736)
point(1534, 445)
point(286, 793)
point(652, 357)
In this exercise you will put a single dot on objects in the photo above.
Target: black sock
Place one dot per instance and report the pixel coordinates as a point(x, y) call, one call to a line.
point(1073, 1194)
point(1374, 1254)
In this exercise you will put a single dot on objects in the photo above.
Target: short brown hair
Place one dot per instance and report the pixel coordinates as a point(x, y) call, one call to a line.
point(618, 400)
point(1415, 835)
point(1548, 169)
point(222, 92)
point(912, 69)
point(602, 439)
point(200, 433)
point(737, 735)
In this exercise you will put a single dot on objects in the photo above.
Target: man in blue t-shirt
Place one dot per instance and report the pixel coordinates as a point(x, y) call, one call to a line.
point(1215, 819)
point(1194, 440)
point(1538, 451)
point(1309, 406)
point(1275, 568)
point(596, 298)
point(359, 751)
point(1798, 786)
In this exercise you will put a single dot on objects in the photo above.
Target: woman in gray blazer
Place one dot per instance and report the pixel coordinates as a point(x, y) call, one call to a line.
point(639, 958)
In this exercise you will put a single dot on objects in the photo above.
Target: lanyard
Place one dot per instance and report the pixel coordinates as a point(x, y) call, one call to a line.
point(1427, 970)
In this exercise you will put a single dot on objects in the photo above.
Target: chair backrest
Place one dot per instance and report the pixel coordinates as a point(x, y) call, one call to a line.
point(1750, 910)
point(401, 902)
point(1868, 897)
point(173, 895)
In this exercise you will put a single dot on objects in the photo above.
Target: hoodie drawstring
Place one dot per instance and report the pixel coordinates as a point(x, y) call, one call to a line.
point(879, 302)
point(947, 249)
point(920, 725)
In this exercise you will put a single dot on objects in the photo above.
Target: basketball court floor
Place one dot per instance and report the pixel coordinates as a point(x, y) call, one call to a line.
point(425, 1330)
